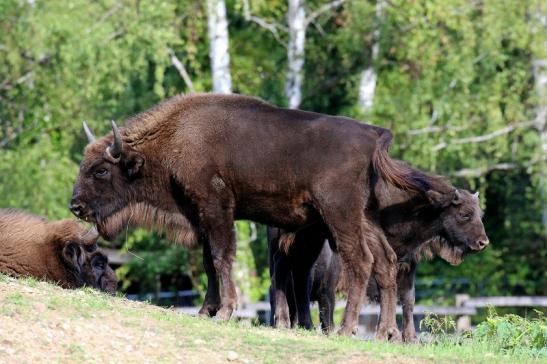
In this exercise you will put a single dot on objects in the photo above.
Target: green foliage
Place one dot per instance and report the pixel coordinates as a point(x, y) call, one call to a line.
point(514, 334)
point(447, 71)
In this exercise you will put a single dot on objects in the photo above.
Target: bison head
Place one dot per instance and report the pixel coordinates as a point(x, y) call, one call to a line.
point(81, 258)
point(109, 171)
point(460, 219)
point(116, 189)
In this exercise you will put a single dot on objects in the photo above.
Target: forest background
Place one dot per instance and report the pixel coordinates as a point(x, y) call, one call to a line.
point(461, 83)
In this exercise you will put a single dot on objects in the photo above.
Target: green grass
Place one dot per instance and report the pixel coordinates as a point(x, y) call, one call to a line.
point(87, 326)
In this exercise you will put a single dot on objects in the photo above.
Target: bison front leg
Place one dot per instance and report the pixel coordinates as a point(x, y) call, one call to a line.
point(407, 295)
point(219, 228)
point(211, 304)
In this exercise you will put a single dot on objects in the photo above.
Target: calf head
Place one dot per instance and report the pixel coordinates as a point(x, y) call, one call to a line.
point(115, 189)
point(460, 222)
point(80, 256)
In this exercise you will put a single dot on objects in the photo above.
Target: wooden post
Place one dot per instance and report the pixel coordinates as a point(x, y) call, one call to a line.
point(463, 322)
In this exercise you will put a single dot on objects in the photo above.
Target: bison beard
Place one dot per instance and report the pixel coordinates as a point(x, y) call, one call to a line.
point(175, 225)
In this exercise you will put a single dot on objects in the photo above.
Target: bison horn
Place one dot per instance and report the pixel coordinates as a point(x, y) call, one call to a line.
point(457, 198)
point(115, 150)
point(88, 133)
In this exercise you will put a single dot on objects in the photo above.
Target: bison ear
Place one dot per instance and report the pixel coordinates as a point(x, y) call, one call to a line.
point(435, 198)
point(133, 164)
point(73, 256)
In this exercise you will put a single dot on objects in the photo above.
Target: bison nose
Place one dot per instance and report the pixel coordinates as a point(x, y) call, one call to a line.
point(482, 243)
point(76, 207)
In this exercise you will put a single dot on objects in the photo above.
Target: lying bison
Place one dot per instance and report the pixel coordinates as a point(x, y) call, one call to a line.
point(63, 251)
point(447, 220)
point(216, 158)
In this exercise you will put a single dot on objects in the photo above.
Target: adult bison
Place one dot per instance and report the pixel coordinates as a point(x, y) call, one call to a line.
point(216, 158)
point(62, 251)
point(442, 220)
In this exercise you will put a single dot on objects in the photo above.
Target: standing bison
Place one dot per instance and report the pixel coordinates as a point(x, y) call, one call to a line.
point(216, 158)
point(443, 220)
point(62, 251)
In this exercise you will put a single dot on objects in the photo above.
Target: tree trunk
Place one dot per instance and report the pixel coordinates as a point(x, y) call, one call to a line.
point(367, 85)
point(540, 77)
point(296, 19)
point(217, 25)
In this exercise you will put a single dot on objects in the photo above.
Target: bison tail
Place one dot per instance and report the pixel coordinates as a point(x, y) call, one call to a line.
point(395, 172)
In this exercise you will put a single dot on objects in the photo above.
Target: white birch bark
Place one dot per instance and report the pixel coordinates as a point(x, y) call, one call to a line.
point(540, 77)
point(296, 19)
point(367, 85)
point(217, 25)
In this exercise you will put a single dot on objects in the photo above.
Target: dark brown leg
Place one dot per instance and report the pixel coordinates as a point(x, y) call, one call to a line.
point(407, 295)
point(217, 220)
point(211, 304)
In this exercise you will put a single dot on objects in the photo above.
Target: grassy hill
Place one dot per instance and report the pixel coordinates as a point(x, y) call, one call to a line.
point(40, 322)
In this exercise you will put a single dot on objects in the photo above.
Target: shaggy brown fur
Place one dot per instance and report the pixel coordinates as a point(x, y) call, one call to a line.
point(62, 251)
point(216, 158)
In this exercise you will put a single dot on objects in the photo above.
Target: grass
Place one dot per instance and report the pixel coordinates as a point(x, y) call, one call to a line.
point(44, 323)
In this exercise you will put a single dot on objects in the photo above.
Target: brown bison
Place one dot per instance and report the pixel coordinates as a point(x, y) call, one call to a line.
point(62, 251)
point(216, 158)
point(447, 219)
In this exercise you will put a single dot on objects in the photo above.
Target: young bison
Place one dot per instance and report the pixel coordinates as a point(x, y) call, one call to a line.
point(62, 251)
point(216, 158)
point(449, 216)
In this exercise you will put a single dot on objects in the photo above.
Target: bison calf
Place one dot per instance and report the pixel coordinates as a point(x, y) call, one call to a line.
point(61, 251)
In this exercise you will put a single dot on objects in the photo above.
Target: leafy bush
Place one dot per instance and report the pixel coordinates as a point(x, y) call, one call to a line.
point(508, 334)
point(514, 334)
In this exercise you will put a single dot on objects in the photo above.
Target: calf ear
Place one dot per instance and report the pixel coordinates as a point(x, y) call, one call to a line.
point(435, 198)
point(73, 256)
point(457, 199)
point(133, 164)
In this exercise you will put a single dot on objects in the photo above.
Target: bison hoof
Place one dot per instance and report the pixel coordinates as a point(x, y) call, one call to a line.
point(347, 331)
point(208, 311)
point(410, 337)
point(391, 334)
point(224, 314)
point(282, 323)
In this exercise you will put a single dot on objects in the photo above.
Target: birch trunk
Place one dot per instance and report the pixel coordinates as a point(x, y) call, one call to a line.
point(296, 19)
point(540, 77)
point(367, 85)
point(217, 25)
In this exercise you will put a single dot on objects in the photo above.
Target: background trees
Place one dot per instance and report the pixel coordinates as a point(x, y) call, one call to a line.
point(459, 82)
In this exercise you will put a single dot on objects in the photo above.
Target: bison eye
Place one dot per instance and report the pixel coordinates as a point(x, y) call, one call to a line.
point(465, 216)
point(101, 172)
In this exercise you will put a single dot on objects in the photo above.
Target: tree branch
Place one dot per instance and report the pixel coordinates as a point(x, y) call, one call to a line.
point(272, 27)
point(323, 9)
point(477, 172)
point(182, 71)
point(481, 138)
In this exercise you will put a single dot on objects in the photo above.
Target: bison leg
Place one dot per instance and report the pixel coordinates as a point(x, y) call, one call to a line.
point(385, 273)
point(281, 280)
point(219, 227)
point(304, 253)
point(348, 227)
point(211, 304)
point(327, 302)
point(407, 295)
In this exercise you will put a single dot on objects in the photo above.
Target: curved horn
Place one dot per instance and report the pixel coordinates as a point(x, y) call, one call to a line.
point(115, 150)
point(88, 133)
point(457, 197)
